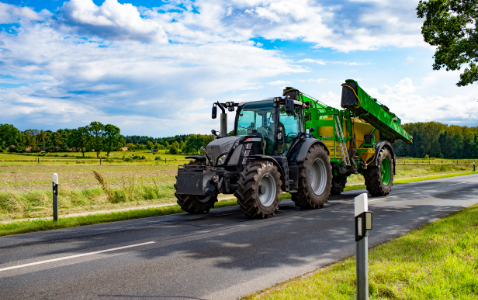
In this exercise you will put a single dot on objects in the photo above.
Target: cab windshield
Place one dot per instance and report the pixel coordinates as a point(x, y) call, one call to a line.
point(256, 116)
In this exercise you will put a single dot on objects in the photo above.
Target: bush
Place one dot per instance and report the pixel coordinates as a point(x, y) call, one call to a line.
point(143, 157)
point(157, 158)
point(128, 159)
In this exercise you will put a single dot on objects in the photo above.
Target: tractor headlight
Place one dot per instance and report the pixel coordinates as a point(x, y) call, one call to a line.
point(221, 160)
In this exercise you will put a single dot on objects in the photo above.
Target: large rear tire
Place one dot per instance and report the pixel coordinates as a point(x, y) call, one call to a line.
point(196, 204)
point(338, 184)
point(315, 179)
point(379, 179)
point(258, 192)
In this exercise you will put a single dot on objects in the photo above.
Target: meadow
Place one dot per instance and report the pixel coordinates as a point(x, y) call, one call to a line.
point(126, 179)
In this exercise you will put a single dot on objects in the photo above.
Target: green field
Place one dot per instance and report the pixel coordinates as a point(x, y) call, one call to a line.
point(25, 182)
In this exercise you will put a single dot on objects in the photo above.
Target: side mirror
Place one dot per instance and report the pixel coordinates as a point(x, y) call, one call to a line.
point(289, 106)
point(214, 111)
point(214, 132)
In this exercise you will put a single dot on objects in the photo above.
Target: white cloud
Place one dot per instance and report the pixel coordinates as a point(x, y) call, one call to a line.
point(13, 14)
point(162, 84)
point(416, 103)
point(360, 27)
point(279, 82)
point(111, 20)
point(310, 60)
point(320, 80)
point(409, 59)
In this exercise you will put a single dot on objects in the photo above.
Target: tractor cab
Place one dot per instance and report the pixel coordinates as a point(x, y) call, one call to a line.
point(277, 124)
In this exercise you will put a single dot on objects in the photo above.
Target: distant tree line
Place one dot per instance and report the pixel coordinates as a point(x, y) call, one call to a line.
point(439, 140)
point(187, 143)
point(97, 136)
point(431, 138)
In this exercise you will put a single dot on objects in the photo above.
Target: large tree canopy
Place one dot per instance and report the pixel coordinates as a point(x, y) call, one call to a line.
point(451, 25)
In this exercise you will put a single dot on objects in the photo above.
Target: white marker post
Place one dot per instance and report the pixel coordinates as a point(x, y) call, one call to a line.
point(55, 196)
point(363, 222)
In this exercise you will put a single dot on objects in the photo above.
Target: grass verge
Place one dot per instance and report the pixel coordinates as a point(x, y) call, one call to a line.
point(416, 179)
point(436, 261)
point(39, 225)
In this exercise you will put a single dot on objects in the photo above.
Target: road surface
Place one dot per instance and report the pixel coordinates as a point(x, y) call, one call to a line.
point(220, 255)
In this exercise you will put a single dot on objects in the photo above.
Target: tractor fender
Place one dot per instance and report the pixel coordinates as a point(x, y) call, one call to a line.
point(299, 152)
point(378, 148)
point(272, 160)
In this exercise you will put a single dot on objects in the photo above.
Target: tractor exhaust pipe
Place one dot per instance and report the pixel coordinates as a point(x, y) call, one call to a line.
point(223, 124)
point(222, 119)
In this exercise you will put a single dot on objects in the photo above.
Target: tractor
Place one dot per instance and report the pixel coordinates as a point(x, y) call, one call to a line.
point(295, 144)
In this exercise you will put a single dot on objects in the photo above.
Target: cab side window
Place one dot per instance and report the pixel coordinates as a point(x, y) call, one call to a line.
point(290, 127)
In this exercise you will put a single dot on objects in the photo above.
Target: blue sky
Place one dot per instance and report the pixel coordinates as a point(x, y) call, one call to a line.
point(155, 67)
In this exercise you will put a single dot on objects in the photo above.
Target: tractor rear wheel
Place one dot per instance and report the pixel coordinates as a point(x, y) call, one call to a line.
point(379, 179)
point(258, 192)
point(196, 204)
point(315, 179)
point(338, 184)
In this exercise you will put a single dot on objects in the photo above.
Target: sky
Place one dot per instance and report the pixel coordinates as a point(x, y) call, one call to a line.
point(155, 67)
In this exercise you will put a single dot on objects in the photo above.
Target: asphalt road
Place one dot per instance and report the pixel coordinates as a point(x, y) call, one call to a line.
point(220, 255)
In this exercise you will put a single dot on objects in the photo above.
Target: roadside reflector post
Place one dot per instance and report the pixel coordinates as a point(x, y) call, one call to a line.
point(363, 223)
point(55, 196)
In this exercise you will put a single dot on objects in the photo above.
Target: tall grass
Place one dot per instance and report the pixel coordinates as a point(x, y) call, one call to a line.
point(15, 205)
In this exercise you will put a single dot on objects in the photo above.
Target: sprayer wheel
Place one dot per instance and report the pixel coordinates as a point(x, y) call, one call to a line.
point(379, 179)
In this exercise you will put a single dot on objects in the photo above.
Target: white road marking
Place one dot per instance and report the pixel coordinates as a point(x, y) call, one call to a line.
point(74, 256)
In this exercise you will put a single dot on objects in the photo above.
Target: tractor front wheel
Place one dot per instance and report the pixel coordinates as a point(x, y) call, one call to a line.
point(196, 204)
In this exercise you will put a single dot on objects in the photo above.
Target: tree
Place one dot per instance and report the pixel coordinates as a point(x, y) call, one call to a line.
point(81, 138)
point(452, 26)
point(11, 136)
point(150, 145)
point(112, 139)
point(174, 148)
point(31, 136)
point(196, 141)
point(43, 137)
point(96, 130)
point(58, 140)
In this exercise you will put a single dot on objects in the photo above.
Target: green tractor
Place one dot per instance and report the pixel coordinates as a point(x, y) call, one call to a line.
point(294, 144)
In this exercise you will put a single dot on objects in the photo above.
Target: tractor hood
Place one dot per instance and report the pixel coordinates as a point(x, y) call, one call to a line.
point(220, 146)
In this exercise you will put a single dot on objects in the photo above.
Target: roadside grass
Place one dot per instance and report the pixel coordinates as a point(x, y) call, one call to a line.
point(415, 179)
point(25, 191)
point(65, 222)
point(436, 261)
